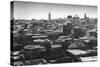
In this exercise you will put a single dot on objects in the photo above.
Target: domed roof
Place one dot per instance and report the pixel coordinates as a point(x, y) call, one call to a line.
point(76, 16)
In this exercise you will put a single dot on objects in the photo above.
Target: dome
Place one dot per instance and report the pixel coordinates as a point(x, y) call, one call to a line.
point(76, 16)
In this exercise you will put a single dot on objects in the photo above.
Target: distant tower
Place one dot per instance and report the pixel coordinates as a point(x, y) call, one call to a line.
point(85, 16)
point(49, 17)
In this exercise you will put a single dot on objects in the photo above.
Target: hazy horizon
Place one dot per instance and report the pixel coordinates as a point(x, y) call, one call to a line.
point(30, 10)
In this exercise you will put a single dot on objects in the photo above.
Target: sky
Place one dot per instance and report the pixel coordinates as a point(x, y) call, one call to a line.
point(36, 10)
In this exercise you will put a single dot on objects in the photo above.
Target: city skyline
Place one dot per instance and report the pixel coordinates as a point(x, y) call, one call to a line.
point(30, 10)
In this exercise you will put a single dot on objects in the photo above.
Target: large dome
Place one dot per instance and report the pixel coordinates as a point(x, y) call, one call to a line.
point(76, 16)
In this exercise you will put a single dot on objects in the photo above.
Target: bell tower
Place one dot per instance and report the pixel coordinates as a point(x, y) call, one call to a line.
point(85, 16)
point(49, 17)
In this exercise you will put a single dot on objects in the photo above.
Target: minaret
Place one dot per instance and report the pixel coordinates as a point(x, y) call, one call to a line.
point(49, 17)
